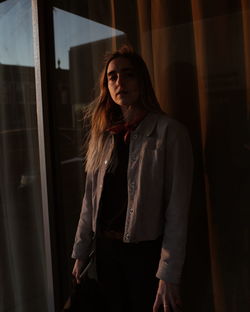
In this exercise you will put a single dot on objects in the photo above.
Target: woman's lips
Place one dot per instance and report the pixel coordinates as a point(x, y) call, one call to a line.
point(121, 93)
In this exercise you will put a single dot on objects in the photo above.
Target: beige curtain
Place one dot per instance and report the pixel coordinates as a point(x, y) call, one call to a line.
point(198, 55)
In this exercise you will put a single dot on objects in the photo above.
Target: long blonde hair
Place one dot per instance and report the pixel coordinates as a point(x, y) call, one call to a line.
point(104, 113)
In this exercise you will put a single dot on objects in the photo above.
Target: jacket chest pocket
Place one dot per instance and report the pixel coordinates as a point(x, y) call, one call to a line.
point(152, 144)
point(152, 156)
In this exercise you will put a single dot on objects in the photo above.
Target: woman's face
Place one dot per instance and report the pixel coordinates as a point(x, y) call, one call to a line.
point(122, 82)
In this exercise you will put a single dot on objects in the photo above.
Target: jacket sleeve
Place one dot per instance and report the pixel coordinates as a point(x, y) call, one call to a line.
point(84, 233)
point(178, 186)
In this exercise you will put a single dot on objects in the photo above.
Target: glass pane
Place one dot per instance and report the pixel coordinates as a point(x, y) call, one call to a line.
point(22, 262)
point(80, 43)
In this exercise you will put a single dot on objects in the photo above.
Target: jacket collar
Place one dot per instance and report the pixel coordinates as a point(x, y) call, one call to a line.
point(147, 125)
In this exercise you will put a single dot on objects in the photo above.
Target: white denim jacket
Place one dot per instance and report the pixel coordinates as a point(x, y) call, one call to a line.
point(160, 170)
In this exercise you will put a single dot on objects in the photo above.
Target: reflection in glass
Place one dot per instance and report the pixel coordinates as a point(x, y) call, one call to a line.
point(80, 43)
point(72, 30)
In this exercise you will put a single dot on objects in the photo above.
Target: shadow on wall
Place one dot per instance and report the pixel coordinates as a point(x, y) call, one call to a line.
point(196, 286)
point(227, 167)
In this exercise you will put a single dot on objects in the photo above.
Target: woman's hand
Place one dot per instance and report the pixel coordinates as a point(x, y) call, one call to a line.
point(77, 270)
point(168, 296)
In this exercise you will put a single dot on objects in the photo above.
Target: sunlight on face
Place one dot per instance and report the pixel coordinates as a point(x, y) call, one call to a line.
point(122, 82)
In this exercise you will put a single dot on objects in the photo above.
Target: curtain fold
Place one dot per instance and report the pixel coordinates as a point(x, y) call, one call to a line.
point(161, 47)
point(246, 35)
point(155, 47)
point(200, 58)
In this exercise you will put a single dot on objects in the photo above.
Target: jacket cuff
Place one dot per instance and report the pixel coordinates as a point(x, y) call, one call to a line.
point(80, 251)
point(167, 273)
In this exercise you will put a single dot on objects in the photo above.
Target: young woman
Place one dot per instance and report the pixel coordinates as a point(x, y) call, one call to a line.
point(138, 185)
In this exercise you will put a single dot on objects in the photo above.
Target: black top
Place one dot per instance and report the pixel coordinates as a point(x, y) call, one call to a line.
point(114, 198)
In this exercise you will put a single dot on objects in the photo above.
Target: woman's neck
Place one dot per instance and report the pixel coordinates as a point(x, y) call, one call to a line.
point(130, 114)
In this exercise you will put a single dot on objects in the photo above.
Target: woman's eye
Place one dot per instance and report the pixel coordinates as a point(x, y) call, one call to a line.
point(130, 74)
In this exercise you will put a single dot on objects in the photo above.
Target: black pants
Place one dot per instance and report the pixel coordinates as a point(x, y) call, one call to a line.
point(126, 273)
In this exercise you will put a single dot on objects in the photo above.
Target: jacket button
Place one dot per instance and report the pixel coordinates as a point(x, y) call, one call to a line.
point(135, 136)
point(131, 210)
point(127, 236)
point(105, 162)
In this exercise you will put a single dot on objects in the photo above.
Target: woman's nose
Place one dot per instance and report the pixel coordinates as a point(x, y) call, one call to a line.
point(120, 80)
